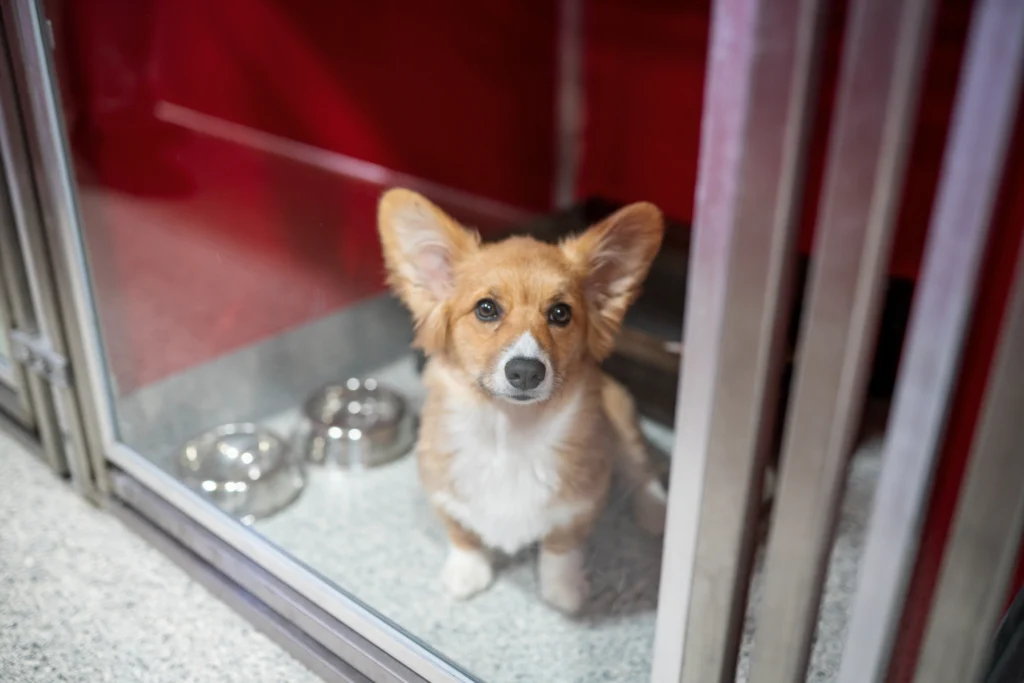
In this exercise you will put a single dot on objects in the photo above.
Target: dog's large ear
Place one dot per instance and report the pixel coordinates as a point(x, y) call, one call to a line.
point(421, 245)
point(613, 258)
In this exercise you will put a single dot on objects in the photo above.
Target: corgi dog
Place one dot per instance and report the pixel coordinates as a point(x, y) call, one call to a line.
point(521, 430)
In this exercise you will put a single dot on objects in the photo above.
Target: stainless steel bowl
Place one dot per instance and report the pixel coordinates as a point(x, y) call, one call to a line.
point(357, 424)
point(245, 469)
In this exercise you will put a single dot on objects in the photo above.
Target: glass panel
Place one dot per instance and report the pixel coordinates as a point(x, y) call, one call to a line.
point(229, 160)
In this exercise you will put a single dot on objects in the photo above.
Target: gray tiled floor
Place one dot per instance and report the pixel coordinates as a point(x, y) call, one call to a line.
point(83, 599)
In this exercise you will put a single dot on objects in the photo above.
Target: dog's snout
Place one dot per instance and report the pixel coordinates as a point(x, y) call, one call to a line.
point(524, 373)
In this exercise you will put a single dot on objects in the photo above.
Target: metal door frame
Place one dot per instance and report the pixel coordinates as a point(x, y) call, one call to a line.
point(26, 268)
point(15, 392)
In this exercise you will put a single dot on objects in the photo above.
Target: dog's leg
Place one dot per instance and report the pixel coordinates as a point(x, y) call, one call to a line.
point(467, 571)
point(563, 577)
point(632, 459)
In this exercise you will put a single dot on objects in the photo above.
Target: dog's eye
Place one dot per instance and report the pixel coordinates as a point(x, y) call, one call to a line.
point(560, 315)
point(487, 310)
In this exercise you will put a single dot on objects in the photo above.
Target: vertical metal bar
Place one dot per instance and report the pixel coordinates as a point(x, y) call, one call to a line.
point(980, 132)
point(762, 78)
point(89, 422)
point(36, 314)
point(568, 101)
point(877, 101)
point(15, 304)
point(16, 397)
point(986, 535)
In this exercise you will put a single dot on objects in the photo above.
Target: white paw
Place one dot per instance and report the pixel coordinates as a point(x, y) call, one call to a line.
point(563, 583)
point(650, 505)
point(466, 572)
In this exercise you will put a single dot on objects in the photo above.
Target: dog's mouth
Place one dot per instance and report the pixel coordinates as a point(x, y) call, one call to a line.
point(519, 398)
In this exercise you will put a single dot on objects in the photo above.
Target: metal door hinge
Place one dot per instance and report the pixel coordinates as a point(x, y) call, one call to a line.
point(39, 357)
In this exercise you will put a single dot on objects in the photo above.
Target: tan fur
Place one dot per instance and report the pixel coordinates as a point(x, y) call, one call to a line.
point(588, 423)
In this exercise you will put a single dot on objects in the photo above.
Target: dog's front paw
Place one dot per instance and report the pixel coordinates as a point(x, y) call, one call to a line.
point(563, 582)
point(466, 572)
point(650, 506)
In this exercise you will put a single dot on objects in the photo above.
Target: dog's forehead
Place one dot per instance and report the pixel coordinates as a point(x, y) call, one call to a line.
point(522, 268)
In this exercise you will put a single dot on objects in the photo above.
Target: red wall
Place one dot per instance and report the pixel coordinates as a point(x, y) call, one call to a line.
point(457, 93)
point(645, 75)
point(460, 94)
point(644, 80)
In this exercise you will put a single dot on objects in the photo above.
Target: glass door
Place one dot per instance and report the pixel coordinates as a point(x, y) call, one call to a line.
point(238, 342)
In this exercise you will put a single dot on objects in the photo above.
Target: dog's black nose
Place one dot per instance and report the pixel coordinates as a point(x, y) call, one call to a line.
point(524, 373)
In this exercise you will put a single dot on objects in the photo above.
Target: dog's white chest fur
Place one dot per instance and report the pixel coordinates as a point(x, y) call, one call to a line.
point(505, 475)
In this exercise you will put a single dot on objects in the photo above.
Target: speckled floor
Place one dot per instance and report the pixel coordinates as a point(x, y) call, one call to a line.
point(84, 599)
point(374, 535)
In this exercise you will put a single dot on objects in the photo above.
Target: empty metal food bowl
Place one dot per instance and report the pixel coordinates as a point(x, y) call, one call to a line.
point(357, 424)
point(246, 470)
